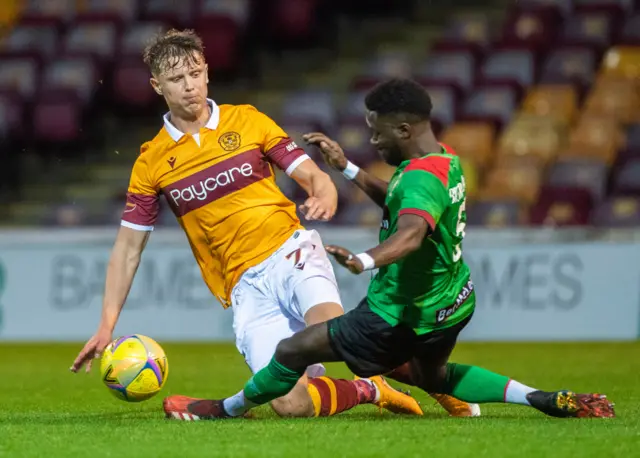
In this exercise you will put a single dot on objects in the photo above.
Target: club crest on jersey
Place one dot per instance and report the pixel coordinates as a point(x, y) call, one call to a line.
point(230, 141)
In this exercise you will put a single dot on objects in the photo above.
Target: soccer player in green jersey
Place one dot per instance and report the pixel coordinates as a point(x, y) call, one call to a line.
point(422, 295)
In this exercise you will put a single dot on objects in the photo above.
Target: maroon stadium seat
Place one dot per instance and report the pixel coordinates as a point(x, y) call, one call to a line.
point(91, 39)
point(533, 30)
point(353, 108)
point(620, 211)
point(176, 13)
point(630, 32)
point(131, 83)
point(11, 116)
point(75, 75)
point(445, 105)
point(509, 67)
point(119, 12)
point(495, 213)
point(558, 8)
point(472, 33)
point(220, 36)
point(311, 107)
point(627, 177)
point(19, 76)
point(490, 103)
point(293, 19)
point(48, 12)
point(570, 65)
point(562, 207)
point(57, 117)
point(135, 39)
point(451, 68)
point(616, 8)
point(592, 29)
point(389, 64)
point(354, 137)
point(40, 42)
point(580, 173)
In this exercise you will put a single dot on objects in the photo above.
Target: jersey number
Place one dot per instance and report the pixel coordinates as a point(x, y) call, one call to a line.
point(457, 250)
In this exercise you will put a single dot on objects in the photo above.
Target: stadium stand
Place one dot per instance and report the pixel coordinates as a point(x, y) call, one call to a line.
point(541, 102)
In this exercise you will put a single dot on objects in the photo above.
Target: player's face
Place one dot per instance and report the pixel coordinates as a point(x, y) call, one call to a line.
point(386, 137)
point(183, 84)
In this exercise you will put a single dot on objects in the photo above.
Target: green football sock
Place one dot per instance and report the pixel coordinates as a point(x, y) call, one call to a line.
point(270, 383)
point(475, 384)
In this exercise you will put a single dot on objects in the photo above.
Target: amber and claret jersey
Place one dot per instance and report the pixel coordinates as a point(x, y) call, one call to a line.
point(220, 185)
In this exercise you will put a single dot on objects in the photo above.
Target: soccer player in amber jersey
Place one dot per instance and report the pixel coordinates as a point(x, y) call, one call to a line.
point(214, 164)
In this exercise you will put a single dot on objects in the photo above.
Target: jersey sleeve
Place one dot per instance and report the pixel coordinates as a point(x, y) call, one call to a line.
point(142, 207)
point(277, 146)
point(423, 194)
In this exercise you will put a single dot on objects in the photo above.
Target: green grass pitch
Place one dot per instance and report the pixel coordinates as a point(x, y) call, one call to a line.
point(45, 411)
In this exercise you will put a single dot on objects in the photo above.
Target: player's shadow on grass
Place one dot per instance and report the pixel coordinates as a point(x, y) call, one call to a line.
point(83, 418)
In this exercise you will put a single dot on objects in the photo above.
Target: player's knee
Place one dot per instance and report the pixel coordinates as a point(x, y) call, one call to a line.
point(287, 353)
point(295, 404)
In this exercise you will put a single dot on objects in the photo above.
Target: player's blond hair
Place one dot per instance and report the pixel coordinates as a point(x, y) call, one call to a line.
point(168, 49)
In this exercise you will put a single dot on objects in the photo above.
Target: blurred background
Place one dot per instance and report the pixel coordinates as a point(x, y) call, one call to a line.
point(541, 99)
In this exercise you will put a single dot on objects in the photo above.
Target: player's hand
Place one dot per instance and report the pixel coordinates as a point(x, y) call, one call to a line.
point(318, 208)
point(346, 258)
point(331, 150)
point(92, 349)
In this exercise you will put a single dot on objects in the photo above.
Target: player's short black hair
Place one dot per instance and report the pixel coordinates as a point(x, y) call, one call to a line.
point(400, 96)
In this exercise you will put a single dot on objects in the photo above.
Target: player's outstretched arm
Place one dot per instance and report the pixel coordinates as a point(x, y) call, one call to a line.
point(334, 156)
point(412, 229)
point(123, 264)
point(323, 196)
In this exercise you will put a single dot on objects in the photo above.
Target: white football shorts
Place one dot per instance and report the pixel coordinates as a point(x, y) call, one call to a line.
point(270, 300)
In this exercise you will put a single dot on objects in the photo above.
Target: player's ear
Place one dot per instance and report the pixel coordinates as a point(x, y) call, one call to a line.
point(155, 84)
point(206, 72)
point(404, 130)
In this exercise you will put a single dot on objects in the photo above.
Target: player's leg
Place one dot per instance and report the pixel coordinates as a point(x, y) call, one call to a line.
point(431, 371)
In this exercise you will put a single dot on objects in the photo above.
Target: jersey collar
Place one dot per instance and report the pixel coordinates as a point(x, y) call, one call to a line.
point(212, 123)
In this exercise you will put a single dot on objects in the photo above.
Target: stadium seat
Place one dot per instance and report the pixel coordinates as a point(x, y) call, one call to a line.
point(293, 20)
point(310, 107)
point(616, 98)
point(616, 8)
point(220, 37)
point(75, 75)
point(353, 108)
point(633, 138)
point(50, 12)
point(473, 141)
point(558, 102)
point(177, 14)
point(471, 179)
point(580, 173)
point(91, 39)
point(445, 105)
point(630, 34)
point(471, 33)
point(509, 67)
point(620, 211)
point(131, 88)
point(19, 76)
point(562, 207)
point(135, 39)
point(532, 136)
point(519, 181)
point(40, 42)
point(449, 68)
point(383, 65)
point(11, 117)
point(626, 179)
point(622, 61)
point(569, 65)
point(237, 10)
point(119, 12)
point(490, 103)
point(56, 118)
point(355, 140)
point(495, 213)
point(559, 8)
point(594, 137)
point(591, 29)
point(534, 30)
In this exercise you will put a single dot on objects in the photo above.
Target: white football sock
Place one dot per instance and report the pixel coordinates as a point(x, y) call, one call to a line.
point(237, 404)
point(516, 393)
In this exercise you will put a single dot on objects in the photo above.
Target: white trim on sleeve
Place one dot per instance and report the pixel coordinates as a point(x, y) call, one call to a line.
point(296, 163)
point(136, 227)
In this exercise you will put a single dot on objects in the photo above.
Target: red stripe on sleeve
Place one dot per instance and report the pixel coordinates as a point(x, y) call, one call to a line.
point(284, 153)
point(422, 213)
point(437, 165)
point(141, 209)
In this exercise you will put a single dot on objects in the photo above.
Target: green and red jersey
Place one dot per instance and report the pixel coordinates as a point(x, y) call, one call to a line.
point(430, 288)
